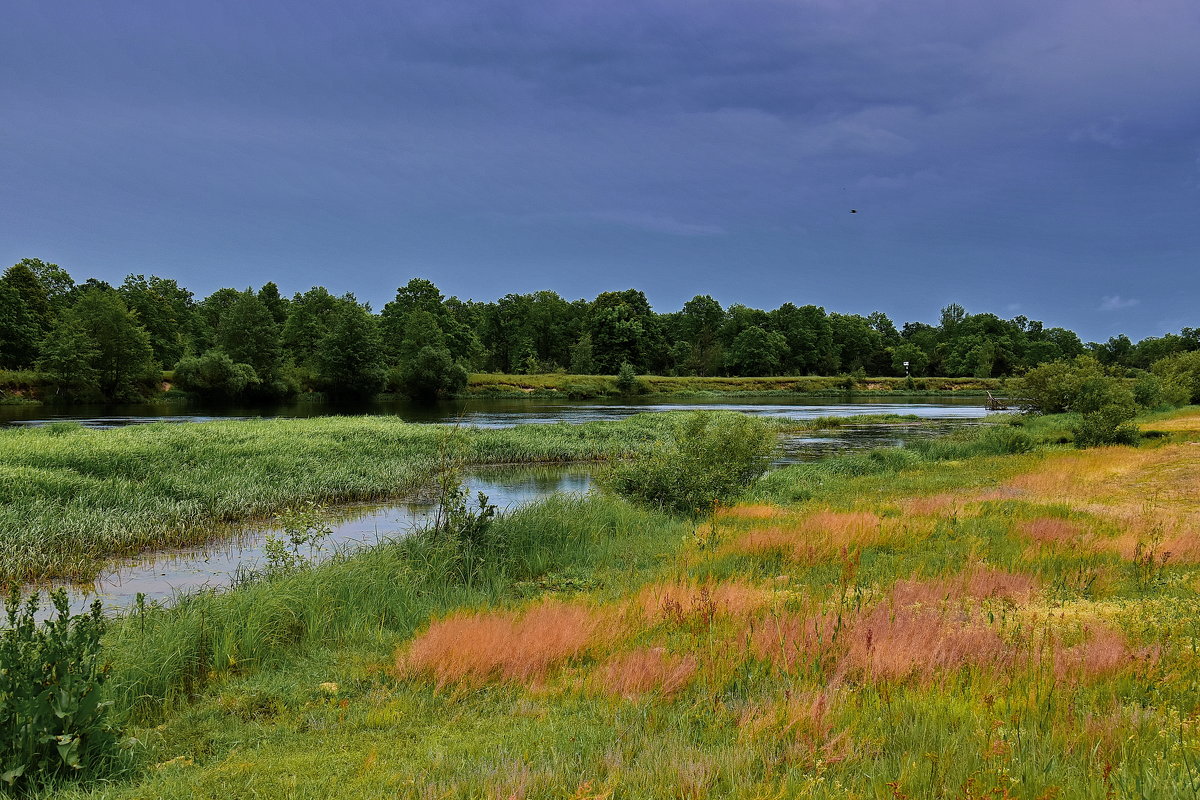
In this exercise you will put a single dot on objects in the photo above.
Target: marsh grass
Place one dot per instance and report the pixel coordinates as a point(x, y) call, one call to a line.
point(69, 495)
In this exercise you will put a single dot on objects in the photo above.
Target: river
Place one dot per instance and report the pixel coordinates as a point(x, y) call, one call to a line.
point(161, 575)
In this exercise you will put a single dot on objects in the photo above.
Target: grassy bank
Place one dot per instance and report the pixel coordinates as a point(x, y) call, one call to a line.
point(963, 621)
point(70, 495)
point(590, 386)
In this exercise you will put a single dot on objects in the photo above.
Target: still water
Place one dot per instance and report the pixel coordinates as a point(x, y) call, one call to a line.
point(493, 413)
point(162, 575)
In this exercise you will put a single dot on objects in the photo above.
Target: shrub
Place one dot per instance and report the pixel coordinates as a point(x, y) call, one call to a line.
point(430, 374)
point(1149, 391)
point(1106, 406)
point(215, 376)
point(1051, 388)
point(712, 460)
point(1181, 375)
point(52, 718)
point(627, 382)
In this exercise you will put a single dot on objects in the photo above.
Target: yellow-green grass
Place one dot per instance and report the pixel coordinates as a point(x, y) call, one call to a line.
point(965, 643)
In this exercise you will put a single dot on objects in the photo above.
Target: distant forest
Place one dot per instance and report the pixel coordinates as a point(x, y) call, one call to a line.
point(94, 341)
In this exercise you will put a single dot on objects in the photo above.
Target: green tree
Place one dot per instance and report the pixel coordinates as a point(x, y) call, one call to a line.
point(21, 279)
point(756, 351)
point(68, 362)
point(124, 360)
point(56, 282)
point(918, 359)
point(1182, 373)
point(164, 310)
point(215, 376)
point(700, 323)
point(248, 334)
point(430, 374)
point(350, 361)
point(20, 334)
point(310, 316)
point(582, 361)
point(277, 305)
point(421, 297)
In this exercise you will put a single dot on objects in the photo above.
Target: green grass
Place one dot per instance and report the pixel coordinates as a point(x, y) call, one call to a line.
point(227, 695)
point(70, 495)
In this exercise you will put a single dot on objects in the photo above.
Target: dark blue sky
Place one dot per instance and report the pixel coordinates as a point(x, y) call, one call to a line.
point(1018, 156)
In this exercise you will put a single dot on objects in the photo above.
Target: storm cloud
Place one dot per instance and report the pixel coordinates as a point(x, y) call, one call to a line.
point(1046, 155)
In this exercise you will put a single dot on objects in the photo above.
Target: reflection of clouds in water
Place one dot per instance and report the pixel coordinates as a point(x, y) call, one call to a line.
point(166, 574)
point(507, 413)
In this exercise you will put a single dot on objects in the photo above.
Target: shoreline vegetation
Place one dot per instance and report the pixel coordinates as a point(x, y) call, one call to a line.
point(93, 342)
point(29, 387)
point(73, 495)
point(987, 614)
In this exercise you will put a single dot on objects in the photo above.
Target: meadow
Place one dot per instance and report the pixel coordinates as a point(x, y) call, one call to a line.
point(991, 615)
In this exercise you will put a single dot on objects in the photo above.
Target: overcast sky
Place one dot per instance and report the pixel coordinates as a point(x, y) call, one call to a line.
point(1016, 156)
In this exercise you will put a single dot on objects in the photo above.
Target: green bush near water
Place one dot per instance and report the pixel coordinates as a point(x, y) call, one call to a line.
point(712, 460)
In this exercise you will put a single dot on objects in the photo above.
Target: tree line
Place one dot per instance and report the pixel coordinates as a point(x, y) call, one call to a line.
point(95, 341)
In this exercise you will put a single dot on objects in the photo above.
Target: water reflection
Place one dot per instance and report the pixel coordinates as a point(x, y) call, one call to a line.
point(163, 574)
point(494, 413)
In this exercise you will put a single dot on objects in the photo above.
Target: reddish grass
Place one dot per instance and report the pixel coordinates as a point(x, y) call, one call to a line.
point(920, 644)
point(1052, 531)
point(473, 648)
point(818, 536)
point(801, 720)
point(640, 672)
point(790, 640)
point(938, 504)
point(681, 601)
point(1103, 652)
point(978, 583)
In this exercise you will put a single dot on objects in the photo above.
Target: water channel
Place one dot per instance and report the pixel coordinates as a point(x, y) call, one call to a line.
point(162, 575)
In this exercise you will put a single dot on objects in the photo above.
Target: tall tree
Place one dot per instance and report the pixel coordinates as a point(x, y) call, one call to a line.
point(277, 305)
point(20, 333)
point(249, 335)
point(124, 360)
point(164, 310)
point(349, 360)
point(56, 282)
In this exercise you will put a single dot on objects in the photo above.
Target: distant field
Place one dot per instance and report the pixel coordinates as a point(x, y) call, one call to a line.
point(584, 386)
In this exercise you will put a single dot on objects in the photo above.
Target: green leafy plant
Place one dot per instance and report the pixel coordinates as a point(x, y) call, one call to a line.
point(53, 718)
point(304, 526)
point(712, 460)
point(627, 382)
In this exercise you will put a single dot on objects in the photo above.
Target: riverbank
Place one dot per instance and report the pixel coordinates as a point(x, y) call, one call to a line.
point(594, 386)
point(73, 495)
point(948, 623)
point(28, 387)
